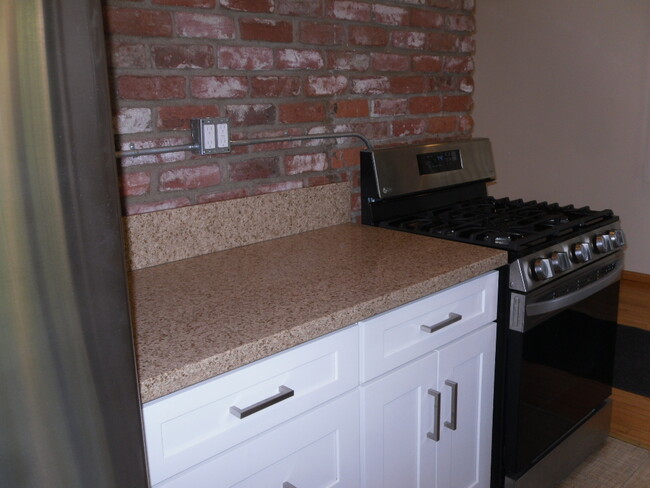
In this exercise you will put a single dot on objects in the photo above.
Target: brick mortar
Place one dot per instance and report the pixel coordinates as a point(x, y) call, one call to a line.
point(379, 128)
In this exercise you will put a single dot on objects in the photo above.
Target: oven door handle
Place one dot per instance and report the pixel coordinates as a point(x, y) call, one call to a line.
point(565, 301)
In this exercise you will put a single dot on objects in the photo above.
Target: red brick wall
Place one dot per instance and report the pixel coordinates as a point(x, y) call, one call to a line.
point(396, 71)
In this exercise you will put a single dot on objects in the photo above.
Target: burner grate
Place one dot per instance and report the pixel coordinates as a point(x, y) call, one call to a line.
point(514, 225)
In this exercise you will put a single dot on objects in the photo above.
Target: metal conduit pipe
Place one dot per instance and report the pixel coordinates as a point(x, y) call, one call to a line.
point(302, 138)
point(195, 146)
point(155, 150)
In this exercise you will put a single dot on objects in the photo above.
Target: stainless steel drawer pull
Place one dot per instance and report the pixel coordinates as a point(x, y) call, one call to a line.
point(284, 393)
point(286, 484)
point(453, 317)
point(454, 404)
point(435, 435)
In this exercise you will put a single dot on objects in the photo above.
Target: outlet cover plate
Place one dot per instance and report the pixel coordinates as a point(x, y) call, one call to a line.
point(212, 135)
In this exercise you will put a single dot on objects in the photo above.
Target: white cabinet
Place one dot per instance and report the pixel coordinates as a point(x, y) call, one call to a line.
point(464, 455)
point(367, 406)
point(428, 423)
point(198, 423)
point(317, 450)
point(411, 436)
point(402, 334)
point(397, 412)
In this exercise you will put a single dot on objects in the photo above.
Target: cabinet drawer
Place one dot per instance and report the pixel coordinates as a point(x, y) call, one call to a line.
point(194, 424)
point(319, 449)
point(393, 338)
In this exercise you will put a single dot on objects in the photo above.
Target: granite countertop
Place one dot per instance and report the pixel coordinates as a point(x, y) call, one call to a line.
point(203, 316)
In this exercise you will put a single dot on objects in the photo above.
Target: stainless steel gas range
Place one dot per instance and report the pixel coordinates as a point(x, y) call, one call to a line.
point(558, 299)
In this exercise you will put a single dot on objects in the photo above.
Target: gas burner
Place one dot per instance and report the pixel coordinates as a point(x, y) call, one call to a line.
point(445, 232)
point(414, 224)
point(502, 238)
point(514, 225)
point(554, 221)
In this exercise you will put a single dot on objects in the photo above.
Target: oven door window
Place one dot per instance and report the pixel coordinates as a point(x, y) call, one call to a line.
point(564, 361)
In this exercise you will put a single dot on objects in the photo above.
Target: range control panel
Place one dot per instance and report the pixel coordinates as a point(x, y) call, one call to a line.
point(555, 261)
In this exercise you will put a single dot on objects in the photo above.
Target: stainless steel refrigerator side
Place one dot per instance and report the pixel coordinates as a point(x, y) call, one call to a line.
point(70, 414)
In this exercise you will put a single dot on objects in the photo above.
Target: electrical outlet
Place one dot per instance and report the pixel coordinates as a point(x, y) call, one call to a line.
point(211, 135)
point(223, 135)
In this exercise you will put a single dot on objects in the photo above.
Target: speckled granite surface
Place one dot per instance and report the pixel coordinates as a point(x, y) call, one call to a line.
point(169, 235)
point(201, 317)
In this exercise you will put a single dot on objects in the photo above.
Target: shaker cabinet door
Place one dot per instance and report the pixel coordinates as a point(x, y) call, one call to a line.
point(466, 380)
point(398, 411)
point(428, 424)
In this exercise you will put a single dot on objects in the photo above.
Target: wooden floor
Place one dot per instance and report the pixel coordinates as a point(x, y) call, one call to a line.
point(631, 418)
point(631, 413)
point(634, 304)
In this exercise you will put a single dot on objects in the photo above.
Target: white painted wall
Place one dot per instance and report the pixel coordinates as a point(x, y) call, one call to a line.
point(563, 92)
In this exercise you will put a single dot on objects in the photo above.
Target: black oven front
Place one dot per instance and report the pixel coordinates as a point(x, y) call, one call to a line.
point(560, 354)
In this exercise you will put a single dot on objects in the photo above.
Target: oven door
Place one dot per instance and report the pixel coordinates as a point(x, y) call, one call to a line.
point(560, 360)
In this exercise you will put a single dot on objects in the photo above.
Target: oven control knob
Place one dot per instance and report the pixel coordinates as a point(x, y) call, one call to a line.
point(560, 261)
point(603, 243)
point(543, 269)
point(582, 252)
point(617, 237)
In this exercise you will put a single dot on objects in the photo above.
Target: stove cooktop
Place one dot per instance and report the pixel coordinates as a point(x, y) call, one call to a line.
point(440, 190)
point(513, 225)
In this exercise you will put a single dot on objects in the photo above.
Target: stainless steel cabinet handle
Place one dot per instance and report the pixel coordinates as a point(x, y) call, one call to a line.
point(286, 484)
point(284, 393)
point(453, 317)
point(435, 435)
point(454, 404)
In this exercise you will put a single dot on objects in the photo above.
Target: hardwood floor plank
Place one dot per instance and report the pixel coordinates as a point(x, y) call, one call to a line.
point(631, 412)
point(631, 418)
